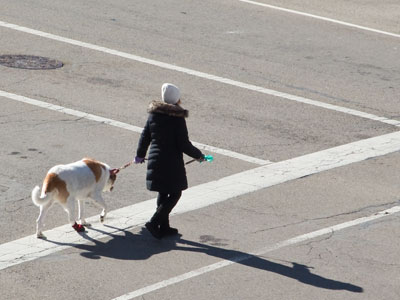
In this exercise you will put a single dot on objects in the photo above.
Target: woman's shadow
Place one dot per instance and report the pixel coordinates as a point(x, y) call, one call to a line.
point(142, 246)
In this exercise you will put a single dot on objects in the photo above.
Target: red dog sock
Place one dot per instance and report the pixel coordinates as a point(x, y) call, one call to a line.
point(78, 227)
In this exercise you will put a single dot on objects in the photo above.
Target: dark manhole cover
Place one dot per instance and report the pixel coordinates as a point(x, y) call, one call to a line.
point(29, 62)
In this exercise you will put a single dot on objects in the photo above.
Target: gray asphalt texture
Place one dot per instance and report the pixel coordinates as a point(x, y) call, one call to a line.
point(306, 57)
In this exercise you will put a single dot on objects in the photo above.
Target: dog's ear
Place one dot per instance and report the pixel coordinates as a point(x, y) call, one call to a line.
point(114, 171)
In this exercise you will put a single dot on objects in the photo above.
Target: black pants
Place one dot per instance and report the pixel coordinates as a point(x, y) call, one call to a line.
point(165, 204)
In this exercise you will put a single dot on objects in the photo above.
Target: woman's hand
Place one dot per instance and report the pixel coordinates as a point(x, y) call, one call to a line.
point(139, 160)
point(201, 159)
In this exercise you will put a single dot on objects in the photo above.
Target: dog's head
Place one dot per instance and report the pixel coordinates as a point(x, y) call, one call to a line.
point(111, 179)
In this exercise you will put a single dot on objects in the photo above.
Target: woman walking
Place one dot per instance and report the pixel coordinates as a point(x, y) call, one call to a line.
point(166, 134)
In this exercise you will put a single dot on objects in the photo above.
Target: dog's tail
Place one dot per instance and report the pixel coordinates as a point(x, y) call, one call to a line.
point(37, 199)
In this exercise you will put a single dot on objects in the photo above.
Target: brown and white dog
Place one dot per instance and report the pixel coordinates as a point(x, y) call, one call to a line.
point(66, 184)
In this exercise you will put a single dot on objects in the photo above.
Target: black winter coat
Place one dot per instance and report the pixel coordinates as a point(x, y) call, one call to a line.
point(166, 133)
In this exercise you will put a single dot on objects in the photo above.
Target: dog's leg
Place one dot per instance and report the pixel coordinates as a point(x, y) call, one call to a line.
point(40, 220)
point(98, 199)
point(70, 208)
point(81, 213)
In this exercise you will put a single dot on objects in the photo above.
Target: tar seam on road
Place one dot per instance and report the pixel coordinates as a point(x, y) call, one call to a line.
point(203, 75)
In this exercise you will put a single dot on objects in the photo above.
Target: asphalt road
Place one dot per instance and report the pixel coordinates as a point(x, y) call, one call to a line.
point(266, 88)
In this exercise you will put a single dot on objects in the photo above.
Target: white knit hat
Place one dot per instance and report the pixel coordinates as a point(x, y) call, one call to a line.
point(170, 93)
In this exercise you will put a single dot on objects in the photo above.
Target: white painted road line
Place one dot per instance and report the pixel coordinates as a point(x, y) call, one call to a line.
point(202, 74)
point(277, 246)
point(30, 248)
point(321, 18)
point(114, 123)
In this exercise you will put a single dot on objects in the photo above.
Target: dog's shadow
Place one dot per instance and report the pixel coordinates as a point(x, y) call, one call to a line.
point(142, 246)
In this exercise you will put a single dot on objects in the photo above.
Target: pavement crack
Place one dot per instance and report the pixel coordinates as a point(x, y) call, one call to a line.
point(13, 210)
point(327, 217)
point(280, 226)
point(355, 211)
point(21, 199)
point(311, 242)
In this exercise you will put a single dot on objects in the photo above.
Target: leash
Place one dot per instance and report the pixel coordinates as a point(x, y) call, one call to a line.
point(116, 171)
point(205, 158)
point(126, 165)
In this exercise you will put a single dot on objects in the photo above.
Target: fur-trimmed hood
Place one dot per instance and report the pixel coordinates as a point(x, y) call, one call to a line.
point(167, 109)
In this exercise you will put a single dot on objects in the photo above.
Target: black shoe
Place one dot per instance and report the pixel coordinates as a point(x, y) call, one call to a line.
point(168, 231)
point(154, 230)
